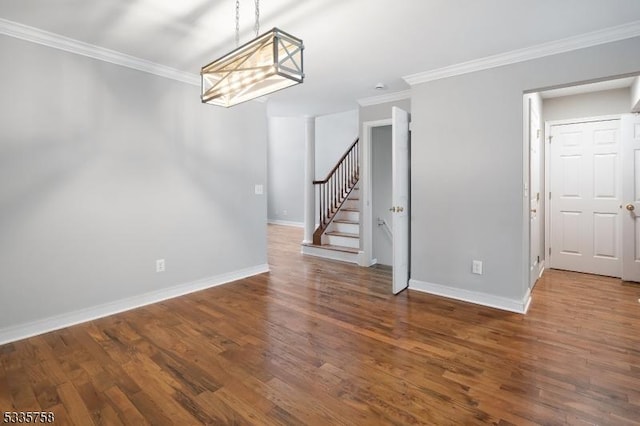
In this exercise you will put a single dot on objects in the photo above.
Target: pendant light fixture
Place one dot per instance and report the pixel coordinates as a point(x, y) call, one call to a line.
point(270, 62)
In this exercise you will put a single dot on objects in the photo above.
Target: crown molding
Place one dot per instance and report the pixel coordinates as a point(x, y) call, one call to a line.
point(387, 97)
point(56, 41)
point(595, 38)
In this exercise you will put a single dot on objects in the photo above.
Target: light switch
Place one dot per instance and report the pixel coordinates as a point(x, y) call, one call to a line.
point(259, 190)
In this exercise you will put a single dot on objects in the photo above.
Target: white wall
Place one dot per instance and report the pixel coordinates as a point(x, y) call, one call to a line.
point(334, 134)
point(467, 169)
point(285, 161)
point(635, 95)
point(593, 104)
point(381, 153)
point(105, 169)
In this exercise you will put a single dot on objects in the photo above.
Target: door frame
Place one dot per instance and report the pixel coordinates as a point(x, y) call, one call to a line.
point(366, 230)
point(547, 175)
point(527, 285)
point(627, 165)
point(528, 185)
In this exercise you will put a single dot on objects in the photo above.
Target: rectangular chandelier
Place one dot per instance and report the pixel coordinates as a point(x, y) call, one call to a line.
point(268, 63)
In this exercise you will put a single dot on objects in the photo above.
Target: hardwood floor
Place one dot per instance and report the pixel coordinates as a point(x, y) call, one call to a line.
point(319, 342)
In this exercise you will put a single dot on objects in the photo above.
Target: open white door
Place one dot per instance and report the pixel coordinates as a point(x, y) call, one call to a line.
point(400, 198)
point(630, 197)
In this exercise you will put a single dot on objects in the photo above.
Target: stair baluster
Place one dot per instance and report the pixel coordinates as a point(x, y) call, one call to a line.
point(335, 188)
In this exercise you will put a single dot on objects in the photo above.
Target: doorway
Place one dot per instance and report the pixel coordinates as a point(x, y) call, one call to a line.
point(399, 208)
point(584, 182)
point(582, 216)
point(381, 197)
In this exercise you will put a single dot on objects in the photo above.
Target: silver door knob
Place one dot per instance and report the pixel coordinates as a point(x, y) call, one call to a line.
point(400, 209)
point(630, 207)
point(392, 209)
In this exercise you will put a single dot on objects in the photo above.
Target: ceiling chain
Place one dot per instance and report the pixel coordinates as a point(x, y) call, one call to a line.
point(256, 26)
point(237, 23)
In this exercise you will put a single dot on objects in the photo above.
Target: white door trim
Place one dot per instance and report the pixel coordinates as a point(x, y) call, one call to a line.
point(583, 120)
point(628, 149)
point(547, 201)
point(537, 183)
point(526, 205)
point(367, 190)
point(547, 178)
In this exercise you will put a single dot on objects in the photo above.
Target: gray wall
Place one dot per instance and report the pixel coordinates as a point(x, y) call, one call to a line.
point(381, 196)
point(467, 166)
point(286, 169)
point(334, 134)
point(594, 104)
point(104, 169)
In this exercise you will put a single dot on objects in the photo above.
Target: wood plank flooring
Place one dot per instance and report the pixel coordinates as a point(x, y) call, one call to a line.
point(319, 342)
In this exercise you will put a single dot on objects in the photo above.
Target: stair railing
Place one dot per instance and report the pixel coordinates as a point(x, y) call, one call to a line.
point(333, 190)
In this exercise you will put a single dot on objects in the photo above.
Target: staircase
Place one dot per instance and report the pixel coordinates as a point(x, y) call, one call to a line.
point(338, 234)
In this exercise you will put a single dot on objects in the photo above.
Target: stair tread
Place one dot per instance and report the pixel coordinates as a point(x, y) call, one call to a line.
point(335, 248)
point(342, 234)
point(350, 222)
point(349, 209)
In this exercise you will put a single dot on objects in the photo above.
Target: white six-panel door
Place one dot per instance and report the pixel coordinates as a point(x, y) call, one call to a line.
point(585, 185)
point(630, 207)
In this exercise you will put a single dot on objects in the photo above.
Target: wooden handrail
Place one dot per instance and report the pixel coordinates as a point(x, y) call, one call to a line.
point(332, 171)
point(336, 187)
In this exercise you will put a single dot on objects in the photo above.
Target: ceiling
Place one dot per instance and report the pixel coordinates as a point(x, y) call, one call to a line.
point(350, 45)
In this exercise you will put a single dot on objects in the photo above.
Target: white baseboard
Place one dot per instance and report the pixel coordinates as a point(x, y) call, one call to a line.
point(23, 331)
point(364, 261)
point(498, 302)
point(285, 223)
point(342, 256)
point(541, 271)
point(526, 300)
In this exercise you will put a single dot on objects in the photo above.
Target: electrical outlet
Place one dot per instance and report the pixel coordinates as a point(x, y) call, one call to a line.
point(476, 267)
point(259, 190)
point(160, 265)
